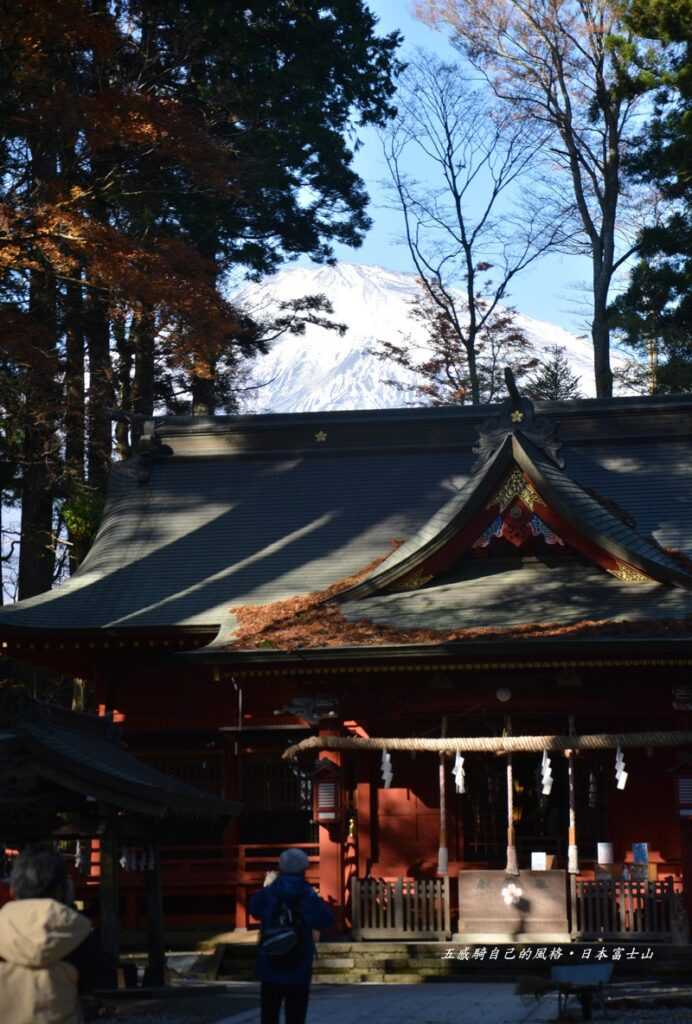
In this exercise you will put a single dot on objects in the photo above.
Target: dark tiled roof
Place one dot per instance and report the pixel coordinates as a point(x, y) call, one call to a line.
point(84, 754)
point(595, 521)
point(249, 510)
point(652, 480)
point(502, 594)
point(205, 533)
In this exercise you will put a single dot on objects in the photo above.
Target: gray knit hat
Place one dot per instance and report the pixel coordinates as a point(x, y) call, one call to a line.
point(293, 862)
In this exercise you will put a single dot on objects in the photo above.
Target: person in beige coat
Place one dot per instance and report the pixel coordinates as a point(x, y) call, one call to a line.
point(40, 937)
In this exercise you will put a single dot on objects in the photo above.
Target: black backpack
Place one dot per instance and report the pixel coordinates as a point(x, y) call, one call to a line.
point(282, 938)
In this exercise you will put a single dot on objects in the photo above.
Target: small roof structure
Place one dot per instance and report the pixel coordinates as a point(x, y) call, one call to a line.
point(44, 746)
point(213, 516)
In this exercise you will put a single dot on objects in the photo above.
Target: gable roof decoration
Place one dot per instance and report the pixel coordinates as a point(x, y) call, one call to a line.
point(517, 415)
point(520, 471)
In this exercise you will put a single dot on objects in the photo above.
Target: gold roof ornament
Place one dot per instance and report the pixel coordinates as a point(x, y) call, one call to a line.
point(515, 486)
point(321, 436)
point(517, 416)
point(628, 574)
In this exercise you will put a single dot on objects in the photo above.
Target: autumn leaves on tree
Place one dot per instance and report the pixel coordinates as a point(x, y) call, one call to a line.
point(153, 150)
point(149, 150)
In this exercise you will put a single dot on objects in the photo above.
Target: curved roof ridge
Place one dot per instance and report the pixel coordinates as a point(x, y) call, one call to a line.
point(446, 522)
point(533, 447)
point(593, 519)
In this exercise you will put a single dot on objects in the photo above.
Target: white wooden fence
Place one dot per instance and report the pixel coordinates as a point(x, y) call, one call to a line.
point(617, 909)
point(406, 908)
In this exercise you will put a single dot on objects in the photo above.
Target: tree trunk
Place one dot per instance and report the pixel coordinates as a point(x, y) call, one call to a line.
point(142, 334)
point(203, 376)
point(100, 394)
point(123, 346)
point(74, 383)
point(202, 385)
point(40, 446)
point(40, 443)
point(2, 564)
point(37, 555)
point(75, 411)
point(600, 334)
point(473, 373)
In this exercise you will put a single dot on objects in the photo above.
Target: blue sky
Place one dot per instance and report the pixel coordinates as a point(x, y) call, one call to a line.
point(552, 289)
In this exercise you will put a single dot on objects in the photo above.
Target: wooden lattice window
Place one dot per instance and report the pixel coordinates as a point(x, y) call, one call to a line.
point(269, 784)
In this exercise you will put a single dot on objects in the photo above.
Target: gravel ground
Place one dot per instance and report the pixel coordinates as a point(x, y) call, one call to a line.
point(182, 1009)
point(471, 1003)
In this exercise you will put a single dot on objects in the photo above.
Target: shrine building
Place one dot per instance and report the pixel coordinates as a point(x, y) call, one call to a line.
point(446, 651)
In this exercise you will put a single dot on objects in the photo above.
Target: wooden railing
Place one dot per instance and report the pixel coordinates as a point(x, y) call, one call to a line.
point(405, 908)
point(251, 864)
point(252, 861)
point(618, 908)
point(226, 873)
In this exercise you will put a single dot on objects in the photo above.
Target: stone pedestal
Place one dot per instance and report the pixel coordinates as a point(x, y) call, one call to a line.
point(537, 911)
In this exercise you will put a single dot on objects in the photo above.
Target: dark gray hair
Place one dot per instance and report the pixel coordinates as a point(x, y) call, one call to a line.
point(39, 872)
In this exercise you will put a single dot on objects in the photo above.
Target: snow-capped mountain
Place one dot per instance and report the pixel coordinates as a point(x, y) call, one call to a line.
point(319, 370)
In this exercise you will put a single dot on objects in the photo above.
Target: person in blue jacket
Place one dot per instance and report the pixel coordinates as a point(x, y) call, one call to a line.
point(288, 981)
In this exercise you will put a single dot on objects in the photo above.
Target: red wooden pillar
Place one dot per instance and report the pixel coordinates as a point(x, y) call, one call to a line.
point(331, 839)
point(364, 814)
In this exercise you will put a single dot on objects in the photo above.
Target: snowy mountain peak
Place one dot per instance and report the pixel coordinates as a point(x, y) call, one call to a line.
point(321, 371)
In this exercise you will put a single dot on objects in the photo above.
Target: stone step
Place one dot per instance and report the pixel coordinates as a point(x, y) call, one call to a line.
point(348, 978)
point(340, 963)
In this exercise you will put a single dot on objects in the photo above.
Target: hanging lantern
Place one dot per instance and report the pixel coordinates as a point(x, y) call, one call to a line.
point(386, 769)
point(620, 773)
point(326, 792)
point(546, 775)
point(458, 773)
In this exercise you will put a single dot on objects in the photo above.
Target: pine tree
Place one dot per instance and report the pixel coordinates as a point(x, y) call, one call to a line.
point(654, 314)
point(553, 380)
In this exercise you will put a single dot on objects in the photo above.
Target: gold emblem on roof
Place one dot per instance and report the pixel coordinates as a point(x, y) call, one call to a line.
point(321, 436)
point(515, 486)
point(628, 574)
point(517, 416)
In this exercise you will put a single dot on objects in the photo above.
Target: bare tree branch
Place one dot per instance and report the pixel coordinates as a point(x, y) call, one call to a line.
point(467, 238)
point(553, 64)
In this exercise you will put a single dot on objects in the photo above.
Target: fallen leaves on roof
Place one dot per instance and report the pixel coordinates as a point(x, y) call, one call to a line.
point(315, 620)
point(258, 623)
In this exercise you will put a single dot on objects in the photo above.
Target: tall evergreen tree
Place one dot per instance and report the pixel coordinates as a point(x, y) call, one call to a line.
point(553, 379)
point(147, 149)
point(655, 313)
